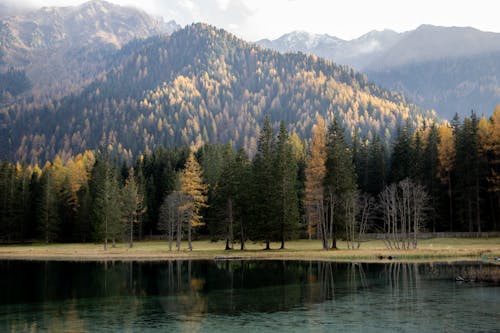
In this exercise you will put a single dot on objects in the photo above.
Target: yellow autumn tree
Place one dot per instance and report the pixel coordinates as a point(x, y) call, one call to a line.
point(192, 185)
point(489, 142)
point(446, 158)
point(315, 175)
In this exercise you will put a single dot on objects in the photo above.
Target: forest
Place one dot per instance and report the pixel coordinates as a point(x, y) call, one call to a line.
point(200, 85)
point(435, 178)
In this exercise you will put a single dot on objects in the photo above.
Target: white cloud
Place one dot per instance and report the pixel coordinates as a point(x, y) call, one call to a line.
point(255, 19)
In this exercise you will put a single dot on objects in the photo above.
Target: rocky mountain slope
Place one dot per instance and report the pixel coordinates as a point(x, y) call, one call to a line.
point(62, 48)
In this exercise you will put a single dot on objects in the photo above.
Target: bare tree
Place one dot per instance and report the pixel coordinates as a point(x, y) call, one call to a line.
point(173, 214)
point(352, 224)
point(404, 207)
point(366, 207)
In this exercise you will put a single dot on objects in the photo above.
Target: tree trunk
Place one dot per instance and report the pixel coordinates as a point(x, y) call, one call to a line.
point(478, 208)
point(242, 237)
point(451, 202)
point(190, 246)
point(131, 245)
point(229, 237)
point(268, 247)
point(105, 233)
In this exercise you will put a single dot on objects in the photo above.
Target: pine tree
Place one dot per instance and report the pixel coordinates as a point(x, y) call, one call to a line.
point(192, 185)
point(226, 198)
point(377, 166)
point(47, 211)
point(402, 155)
point(286, 175)
point(468, 170)
point(340, 182)
point(430, 171)
point(244, 201)
point(132, 205)
point(105, 209)
point(264, 226)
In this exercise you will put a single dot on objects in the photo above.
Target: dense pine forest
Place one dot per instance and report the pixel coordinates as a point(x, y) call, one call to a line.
point(218, 192)
point(200, 85)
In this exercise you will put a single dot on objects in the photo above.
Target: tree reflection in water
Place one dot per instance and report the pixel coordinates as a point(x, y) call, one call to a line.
point(182, 295)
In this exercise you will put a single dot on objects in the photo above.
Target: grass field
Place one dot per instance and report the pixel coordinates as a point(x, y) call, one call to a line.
point(439, 249)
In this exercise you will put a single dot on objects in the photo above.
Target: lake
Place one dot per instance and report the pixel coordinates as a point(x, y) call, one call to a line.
point(244, 296)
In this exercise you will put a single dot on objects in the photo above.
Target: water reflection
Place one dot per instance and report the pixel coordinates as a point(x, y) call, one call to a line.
point(186, 296)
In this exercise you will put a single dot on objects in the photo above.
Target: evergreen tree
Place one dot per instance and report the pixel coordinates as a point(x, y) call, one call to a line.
point(340, 182)
point(468, 170)
point(226, 199)
point(402, 155)
point(264, 226)
point(286, 175)
point(430, 172)
point(132, 205)
point(49, 221)
point(377, 167)
point(105, 210)
point(244, 203)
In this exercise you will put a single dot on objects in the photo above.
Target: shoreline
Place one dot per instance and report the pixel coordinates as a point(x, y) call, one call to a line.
point(437, 250)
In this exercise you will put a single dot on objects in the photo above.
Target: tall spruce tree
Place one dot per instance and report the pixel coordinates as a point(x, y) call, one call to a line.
point(402, 155)
point(430, 172)
point(105, 210)
point(132, 205)
point(226, 199)
point(340, 182)
point(47, 208)
point(264, 226)
point(287, 197)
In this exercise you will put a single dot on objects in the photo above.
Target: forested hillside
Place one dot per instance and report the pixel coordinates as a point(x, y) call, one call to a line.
point(201, 85)
point(448, 69)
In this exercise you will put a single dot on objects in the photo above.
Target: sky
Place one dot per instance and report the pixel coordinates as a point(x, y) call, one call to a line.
point(347, 19)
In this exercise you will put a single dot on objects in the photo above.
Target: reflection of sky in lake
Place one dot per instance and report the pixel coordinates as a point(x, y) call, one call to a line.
point(268, 296)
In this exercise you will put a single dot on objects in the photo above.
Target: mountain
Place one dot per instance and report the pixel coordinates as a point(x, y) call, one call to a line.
point(201, 84)
point(353, 53)
point(60, 48)
point(449, 69)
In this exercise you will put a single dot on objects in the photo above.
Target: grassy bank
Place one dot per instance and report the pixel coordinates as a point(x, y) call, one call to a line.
point(442, 249)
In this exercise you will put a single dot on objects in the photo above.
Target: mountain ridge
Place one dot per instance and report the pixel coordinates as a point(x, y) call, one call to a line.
point(58, 48)
point(391, 59)
point(203, 85)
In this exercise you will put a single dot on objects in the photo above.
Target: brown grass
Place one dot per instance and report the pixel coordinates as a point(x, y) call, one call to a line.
point(449, 249)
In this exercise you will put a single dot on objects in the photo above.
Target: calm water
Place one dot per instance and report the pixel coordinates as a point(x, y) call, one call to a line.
point(243, 296)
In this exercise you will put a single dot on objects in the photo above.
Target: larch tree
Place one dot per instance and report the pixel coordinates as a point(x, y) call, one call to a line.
point(193, 186)
point(315, 174)
point(446, 159)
